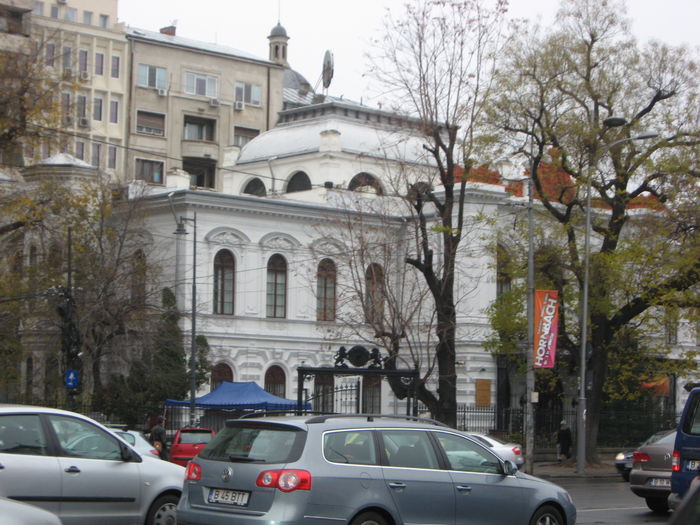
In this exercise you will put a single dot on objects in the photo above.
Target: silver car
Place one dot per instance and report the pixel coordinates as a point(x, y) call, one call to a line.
point(511, 451)
point(74, 467)
point(16, 513)
point(360, 470)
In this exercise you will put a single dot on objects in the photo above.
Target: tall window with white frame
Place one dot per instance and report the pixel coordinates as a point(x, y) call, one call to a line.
point(224, 273)
point(325, 290)
point(277, 287)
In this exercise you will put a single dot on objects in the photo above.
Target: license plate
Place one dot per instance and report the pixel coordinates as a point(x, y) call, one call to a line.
point(693, 465)
point(228, 497)
point(659, 482)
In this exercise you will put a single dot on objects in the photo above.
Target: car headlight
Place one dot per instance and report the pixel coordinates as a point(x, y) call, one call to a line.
point(620, 457)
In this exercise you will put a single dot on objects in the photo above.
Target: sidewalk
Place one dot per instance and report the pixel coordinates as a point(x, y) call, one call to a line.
point(550, 470)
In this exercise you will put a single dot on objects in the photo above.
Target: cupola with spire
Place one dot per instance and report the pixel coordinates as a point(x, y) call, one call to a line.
point(278, 44)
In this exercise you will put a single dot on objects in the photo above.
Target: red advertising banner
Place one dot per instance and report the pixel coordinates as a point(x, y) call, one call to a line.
point(546, 327)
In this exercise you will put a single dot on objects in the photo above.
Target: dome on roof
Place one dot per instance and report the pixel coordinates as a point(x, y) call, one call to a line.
point(278, 30)
point(295, 80)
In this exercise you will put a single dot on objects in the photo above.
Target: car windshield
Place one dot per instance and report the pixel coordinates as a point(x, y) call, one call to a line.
point(192, 438)
point(254, 441)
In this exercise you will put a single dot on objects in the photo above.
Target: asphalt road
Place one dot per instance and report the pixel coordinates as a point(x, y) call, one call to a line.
point(608, 500)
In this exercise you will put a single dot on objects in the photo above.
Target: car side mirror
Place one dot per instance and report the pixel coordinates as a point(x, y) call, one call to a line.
point(128, 454)
point(509, 468)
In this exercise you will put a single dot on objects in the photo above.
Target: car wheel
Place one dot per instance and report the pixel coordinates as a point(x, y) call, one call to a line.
point(658, 505)
point(547, 515)
point(162, 512)
point(369, 518)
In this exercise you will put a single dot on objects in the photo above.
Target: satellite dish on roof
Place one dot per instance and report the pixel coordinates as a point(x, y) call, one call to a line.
point(327, 73)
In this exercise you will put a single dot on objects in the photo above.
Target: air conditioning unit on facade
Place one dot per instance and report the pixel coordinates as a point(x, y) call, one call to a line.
point(61, 1)
point(239, 105)
point(162, 92)
point(214, 102)
point(67, 121)
point(84, 122)
point(84, 76)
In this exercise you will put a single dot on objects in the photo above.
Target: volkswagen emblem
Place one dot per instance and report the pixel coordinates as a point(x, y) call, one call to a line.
point(226, 474)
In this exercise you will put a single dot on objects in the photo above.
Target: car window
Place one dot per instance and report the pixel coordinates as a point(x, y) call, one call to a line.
point(82, 439)
point(409, 448)
point(354, 446)
point(193, 438)
point(482, 440)
point(691, 425)
point(129, 438)
point(22, 434)
point(254, 441)
point(465, 455)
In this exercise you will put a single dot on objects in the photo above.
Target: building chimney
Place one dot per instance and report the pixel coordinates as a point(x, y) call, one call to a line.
point(168, 30)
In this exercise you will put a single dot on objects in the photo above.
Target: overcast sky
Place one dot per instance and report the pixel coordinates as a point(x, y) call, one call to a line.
point(345, 28)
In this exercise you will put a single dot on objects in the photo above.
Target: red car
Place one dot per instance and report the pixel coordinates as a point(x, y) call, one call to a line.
point(188, 442)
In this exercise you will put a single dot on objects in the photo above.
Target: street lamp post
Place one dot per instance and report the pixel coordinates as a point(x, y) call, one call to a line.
point(581, 419)
point(180, 221)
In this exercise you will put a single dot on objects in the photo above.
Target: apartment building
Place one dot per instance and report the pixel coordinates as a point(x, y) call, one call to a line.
point(193, 104)
point(14, 23)
point(85, 45)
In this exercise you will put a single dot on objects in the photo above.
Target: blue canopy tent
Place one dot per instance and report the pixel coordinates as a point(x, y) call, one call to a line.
point(240, 396)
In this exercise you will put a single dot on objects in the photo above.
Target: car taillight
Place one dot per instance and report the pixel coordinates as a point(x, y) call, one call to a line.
point(193, 472)
point(154, 452)
point(640, 457)
point(285, 480)
point(517, 451)
point(676, 461)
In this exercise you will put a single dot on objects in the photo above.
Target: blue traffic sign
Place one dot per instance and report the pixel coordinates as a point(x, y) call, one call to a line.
point(72, 379)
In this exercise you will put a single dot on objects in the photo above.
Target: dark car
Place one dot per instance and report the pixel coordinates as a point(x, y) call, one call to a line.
point(188, 442)
point(686, 452)
point(689, 511)
point(650, 477)
point(360, 470)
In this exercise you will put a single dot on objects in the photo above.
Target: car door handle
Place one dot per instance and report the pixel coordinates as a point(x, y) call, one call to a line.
point(397, 485)
point(464, 488)
point(72, 470)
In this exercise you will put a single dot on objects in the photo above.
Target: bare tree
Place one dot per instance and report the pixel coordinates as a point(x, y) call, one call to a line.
point(435, 63)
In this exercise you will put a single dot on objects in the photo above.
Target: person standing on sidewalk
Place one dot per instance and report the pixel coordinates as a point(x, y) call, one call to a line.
point(158, 438)
point(564, 441)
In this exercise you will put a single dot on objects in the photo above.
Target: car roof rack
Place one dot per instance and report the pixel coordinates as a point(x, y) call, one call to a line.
point(289, 412)
point(372, 417)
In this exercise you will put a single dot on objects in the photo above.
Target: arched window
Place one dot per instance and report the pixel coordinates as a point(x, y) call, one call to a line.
point(138, 278)
point(503, 277)
point(299, 182)
point(325, 291)
point(220, 373)
point(275, 381)
point(224, 274)
point(255, 187)
point(33, 256)
point(365, 182)
point(277, 287)
point(374, 294)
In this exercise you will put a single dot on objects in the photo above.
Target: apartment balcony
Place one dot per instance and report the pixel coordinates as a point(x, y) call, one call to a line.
point(202, 149)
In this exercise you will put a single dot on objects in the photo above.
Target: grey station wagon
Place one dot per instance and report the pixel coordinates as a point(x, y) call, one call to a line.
point(360, 470)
